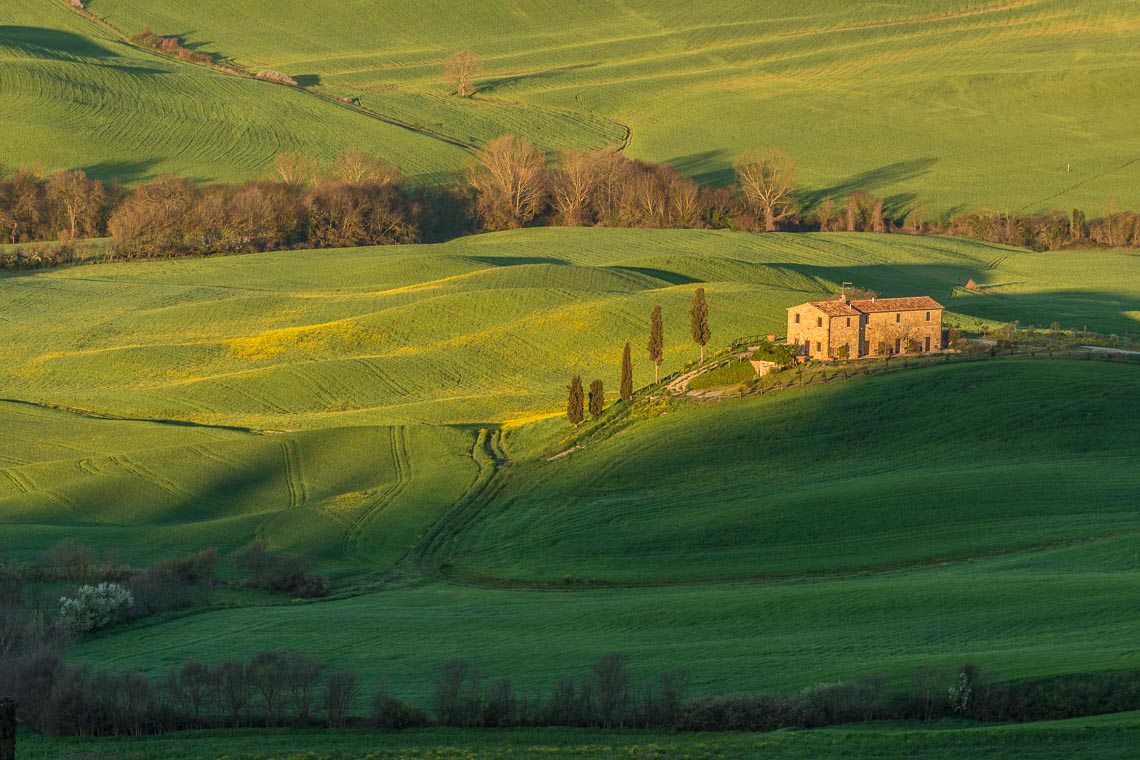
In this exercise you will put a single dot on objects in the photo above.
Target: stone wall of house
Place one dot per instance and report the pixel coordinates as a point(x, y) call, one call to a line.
point(845, 331)
point(902, 332)
point(812, 332)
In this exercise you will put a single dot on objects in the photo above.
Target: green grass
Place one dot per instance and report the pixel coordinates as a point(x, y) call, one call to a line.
point(987, 104)
point(482, 329)
point(74, 97)
point(1100, 738)
point(392, 411)
point(872, 474)
point(347, 351)
point(926, 538)
point(146, 489)
point(732, 374)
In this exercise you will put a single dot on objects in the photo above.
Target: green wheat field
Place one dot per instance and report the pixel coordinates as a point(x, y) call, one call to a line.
point(397, 413)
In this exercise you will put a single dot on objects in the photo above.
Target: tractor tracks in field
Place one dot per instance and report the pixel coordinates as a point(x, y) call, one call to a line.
point(356, 537)
point(489, 456)
point(294, 480)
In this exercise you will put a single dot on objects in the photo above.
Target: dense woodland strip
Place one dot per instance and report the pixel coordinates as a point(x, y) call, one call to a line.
point(360, 200)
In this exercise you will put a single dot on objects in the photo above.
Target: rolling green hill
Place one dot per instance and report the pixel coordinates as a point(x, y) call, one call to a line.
point(394, 409)
point(74, 97)
point(1003, 105)
point(315, 398)
point(478, 330)
point(950, 521)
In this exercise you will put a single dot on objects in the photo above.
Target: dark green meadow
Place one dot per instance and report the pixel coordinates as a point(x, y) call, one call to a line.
point(397, 415)
point(1100, 738)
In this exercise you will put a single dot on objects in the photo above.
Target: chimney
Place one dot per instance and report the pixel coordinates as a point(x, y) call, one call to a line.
point(872, 299)
point(843, 298)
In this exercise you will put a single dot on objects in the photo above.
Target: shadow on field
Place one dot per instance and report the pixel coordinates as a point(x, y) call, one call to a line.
point(673, 278)
point(868, 180)
point(1101, 311)
point(124, 171)
point(307, 80)
point(52, 44)
point(494, 83)
point(514, 261)
point(709, 167)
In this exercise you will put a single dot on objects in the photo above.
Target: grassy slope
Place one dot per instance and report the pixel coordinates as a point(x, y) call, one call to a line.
point(1033, 551)
point(347, 344)
point(144, 489)
point(344, 347)
point(939, 465)
point(1005, 105)
point(76, 98)
point(1111, 738)
point(480, 329)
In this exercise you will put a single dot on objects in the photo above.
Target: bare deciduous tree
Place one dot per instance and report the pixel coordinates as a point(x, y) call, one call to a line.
point(460, 70)
point(356, 167)
point(76, 202)
point(296, 169)
point(767, 178)
point(510, 182)
point(573, 188)
point(613, 682)
point(340, 690)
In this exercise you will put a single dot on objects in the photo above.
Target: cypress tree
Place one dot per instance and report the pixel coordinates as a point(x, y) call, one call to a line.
point(626, 374)
point(656, 342)
point(597, 398)
point(574, 405)
point(699, 321)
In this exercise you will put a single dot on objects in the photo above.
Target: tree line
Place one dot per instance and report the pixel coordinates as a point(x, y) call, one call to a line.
point(285, 689)
point(359, 199)
point(655, 347)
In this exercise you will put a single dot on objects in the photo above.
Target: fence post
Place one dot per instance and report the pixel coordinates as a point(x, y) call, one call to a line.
point(7, 729)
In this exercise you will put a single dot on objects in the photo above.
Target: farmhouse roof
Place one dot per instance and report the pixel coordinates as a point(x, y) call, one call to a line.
point(915, 303)
point(835, 308)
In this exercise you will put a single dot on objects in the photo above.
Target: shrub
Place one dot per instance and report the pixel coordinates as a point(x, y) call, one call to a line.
point(269, 75)
point(93, 606)
point(276, 573)
point(389, 712)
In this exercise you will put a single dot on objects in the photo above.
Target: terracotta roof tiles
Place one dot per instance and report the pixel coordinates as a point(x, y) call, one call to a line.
point(835, 308)
point(915, 303)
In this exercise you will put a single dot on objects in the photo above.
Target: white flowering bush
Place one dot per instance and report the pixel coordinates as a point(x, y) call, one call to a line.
point(93, 606)
point(962, 691)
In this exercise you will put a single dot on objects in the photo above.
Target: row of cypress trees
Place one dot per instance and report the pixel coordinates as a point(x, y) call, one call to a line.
point(578, 402)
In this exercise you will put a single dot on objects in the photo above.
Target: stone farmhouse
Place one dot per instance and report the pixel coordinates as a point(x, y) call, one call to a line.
point(840, 328)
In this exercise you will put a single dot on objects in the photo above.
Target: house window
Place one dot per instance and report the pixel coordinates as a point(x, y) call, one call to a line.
point(849, 321)
point(898, 317)
point(928, 316)
point(819, 321)
point(817, 347)
point(797, 319)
